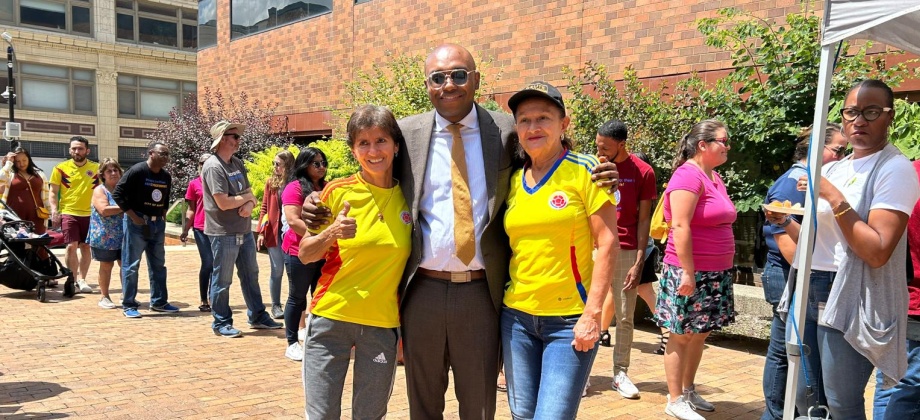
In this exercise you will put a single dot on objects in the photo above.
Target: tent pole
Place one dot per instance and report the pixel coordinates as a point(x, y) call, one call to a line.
point(807, 233)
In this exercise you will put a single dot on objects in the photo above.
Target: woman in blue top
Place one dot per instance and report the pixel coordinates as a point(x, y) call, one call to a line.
point(106, 228)
point(781, 245)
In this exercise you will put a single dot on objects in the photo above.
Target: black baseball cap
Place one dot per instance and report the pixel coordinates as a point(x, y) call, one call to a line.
point(539, 90)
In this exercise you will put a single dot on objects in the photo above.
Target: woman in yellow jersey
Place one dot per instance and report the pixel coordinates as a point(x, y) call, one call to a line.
point(355, 302)
point(552, 306)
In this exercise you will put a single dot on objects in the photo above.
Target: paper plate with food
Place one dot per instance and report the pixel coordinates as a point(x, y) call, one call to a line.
point(786, 207)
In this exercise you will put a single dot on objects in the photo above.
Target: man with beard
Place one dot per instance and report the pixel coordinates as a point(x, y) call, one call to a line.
point(74, 180)
point(143, 193)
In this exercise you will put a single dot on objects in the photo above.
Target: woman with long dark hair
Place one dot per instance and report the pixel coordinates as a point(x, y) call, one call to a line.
point(308, 175)
point(24, 188)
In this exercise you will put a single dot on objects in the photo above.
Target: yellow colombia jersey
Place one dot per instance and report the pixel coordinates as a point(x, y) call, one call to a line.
point(360, 279)
point(76, 186)
point(551, 239)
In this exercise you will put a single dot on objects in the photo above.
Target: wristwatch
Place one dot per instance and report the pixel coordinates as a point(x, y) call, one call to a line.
point(786, 222)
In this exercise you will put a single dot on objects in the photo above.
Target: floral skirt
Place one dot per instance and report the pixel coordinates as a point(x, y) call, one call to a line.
point(710, 307)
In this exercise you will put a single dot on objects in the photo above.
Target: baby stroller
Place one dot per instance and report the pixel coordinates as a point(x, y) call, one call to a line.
point(26, 262)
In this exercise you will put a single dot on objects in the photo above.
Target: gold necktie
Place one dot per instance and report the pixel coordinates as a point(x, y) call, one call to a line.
point(464, 235)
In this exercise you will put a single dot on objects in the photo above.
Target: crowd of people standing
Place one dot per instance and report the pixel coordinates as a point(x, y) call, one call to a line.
point(483, 240)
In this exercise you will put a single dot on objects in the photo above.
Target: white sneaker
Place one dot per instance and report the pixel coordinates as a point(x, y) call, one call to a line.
point(106, 303)
point(302, 334)
point(696, 401)
point(294, 352)
point(681, 409)
point(84, 288)
point(624, 386)
point(584, 392)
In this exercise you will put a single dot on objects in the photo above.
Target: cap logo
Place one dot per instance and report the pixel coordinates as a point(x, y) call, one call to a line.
point(537, 86)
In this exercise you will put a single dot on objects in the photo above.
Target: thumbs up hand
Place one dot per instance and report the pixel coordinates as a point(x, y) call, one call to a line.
point(344, 227)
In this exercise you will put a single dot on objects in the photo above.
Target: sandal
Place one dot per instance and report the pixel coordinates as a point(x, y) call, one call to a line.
point(204, 307)
point(663, 340)
point(605, 338)
point(502, 385)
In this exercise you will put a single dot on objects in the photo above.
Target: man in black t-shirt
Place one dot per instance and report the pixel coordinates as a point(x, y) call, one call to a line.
point(143, 193)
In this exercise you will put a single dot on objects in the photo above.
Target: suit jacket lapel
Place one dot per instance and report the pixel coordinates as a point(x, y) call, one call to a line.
point(491, 154)
point(419, 141)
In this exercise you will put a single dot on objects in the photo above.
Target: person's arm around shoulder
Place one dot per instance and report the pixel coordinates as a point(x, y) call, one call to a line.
point(101, 203)
point(313, 247)
point(603, 225)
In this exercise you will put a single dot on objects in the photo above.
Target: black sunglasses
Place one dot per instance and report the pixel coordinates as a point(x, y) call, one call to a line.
point(437, 79)
point(838, 151)
point(319, 164)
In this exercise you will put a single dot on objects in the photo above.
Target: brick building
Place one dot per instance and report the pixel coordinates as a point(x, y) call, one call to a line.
point(299, 53)
point(103, 69)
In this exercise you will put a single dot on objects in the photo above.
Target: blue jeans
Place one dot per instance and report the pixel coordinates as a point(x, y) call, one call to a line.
point(276, 264)
point(241, 251)
point(776, 364)
point(134, 244)
point(207, 263)
point(301, 282)
point(544, 372)
point(902, 401)
point(845, 375)
point(818, 291)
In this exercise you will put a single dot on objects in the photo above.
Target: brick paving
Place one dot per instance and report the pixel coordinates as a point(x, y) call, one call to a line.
point(70, 358)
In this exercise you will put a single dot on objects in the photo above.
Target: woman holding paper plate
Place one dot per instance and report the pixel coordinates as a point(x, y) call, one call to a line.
point(781, 237)
point(860, 249)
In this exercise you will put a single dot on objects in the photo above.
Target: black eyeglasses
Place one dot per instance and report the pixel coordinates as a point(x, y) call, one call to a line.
point(870, 114)
point(319, 164)
point(838, 151)
point(234, 135)
point(437, 79)
point(723, 140)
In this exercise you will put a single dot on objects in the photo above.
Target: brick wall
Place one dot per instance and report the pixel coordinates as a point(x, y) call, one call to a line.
point(302, 65)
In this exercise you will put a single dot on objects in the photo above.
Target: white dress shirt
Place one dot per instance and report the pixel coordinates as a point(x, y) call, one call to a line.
point(436, 207)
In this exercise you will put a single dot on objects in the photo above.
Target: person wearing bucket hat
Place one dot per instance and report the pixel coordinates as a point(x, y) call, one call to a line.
point(552, 306)
point(228, 205)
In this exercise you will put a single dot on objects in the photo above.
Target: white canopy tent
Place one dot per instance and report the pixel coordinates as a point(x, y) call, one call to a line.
point(892, 22)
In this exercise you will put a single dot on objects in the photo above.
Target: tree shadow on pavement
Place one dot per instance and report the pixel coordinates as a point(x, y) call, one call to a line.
point(13, 394)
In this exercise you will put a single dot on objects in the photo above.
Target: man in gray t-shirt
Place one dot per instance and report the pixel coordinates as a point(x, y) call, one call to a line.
point(228, 205)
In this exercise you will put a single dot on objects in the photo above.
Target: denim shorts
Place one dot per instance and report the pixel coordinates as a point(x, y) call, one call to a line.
point(106, 255)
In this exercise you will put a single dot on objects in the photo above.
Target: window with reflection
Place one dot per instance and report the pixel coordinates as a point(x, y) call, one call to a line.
point(56, 89)
point(151, 98)
point(155, 24)
point(207, 23)
point(69, 16)
point(253, 16)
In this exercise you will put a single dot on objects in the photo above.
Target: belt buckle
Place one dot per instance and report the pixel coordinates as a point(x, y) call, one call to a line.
point(460, 277)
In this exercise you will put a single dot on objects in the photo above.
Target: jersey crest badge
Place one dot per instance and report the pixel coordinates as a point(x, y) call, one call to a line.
point(558, 200)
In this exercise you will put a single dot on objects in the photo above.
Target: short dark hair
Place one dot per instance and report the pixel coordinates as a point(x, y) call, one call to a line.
point(614, 129)
point(154, 143)
point(369, 116)
point(876, 84)
point(804, 139)
point(80, 139)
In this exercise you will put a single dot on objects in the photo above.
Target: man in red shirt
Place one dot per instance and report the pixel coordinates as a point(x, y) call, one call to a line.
point(634, 199)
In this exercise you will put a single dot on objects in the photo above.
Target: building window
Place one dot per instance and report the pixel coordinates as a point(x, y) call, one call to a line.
point(56, 89)
point(207, 23)
point(150, 98)
point(252, 16)
point(152, 24)
point(70, 16)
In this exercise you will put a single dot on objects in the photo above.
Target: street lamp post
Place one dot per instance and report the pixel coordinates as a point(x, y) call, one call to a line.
point(10, 94)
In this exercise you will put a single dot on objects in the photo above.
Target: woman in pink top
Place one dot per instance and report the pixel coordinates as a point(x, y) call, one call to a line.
point(309, 175)
point(194, 218)
point(695, 294)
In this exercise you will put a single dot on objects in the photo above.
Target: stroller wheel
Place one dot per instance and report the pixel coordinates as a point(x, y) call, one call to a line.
point(69, 287)
point(41, 294)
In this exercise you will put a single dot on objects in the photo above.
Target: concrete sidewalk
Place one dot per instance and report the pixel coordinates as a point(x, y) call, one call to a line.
point(70, 358)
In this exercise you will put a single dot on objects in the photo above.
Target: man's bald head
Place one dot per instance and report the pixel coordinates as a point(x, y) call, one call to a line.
point(448, 52)
point(453, 101)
